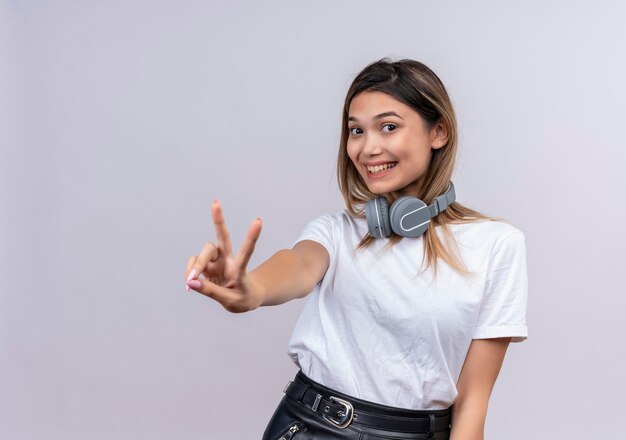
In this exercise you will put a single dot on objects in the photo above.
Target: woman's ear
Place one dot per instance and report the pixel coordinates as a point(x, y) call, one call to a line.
point(439, 135)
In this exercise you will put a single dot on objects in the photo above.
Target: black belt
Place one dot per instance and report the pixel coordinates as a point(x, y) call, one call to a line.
point(341, 412)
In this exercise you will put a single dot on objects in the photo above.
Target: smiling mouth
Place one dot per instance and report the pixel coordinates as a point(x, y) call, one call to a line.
point(380, 168)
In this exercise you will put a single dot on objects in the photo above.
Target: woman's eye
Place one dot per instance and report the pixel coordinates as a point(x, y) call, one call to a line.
point(352, 130)
point(390, 125)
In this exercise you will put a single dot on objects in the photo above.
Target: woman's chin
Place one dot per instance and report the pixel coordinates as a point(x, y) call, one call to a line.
point(380, 190)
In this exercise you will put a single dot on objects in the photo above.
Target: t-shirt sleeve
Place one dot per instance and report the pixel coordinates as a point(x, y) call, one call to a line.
point(321, 231)
point(503, 308)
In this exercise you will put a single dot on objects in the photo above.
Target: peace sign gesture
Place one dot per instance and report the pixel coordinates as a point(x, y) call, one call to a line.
point(225, 278)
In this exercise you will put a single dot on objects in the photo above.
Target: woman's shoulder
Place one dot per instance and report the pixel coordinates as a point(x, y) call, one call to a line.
point(343, 221)
point(485, 230)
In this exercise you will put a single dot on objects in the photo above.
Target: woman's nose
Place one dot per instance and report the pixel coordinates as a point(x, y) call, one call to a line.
point(372, 146)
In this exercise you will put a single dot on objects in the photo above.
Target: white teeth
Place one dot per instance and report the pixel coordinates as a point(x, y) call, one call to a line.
point(379, 168)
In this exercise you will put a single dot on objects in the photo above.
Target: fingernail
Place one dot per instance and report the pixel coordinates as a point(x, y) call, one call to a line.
point(187, 287)
point(259, 219)
point(216, 200)
point(194, 284)
point(191, 275)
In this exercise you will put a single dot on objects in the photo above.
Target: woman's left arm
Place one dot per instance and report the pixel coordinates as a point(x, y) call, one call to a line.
point(478, 376)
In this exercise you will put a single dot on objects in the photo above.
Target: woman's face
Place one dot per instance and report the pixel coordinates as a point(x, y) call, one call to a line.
point(389, 143)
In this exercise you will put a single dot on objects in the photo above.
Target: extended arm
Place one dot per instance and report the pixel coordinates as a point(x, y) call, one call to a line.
point(291, 273)
point(476, 381)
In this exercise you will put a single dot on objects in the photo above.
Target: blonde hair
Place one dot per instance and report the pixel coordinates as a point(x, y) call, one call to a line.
point(415, 85)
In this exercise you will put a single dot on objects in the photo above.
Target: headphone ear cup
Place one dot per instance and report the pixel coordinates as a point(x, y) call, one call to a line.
point(377, 214)
point(409, 217)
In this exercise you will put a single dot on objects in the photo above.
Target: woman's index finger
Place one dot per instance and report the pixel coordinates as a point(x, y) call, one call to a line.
point(223, 237)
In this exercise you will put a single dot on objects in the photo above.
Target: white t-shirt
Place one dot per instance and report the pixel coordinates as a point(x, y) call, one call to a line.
point(373, 329)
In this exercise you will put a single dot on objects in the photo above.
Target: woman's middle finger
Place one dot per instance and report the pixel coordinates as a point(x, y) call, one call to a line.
point(247, 248)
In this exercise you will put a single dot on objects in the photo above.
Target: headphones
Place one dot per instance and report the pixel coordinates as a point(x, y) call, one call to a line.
point(407, 217)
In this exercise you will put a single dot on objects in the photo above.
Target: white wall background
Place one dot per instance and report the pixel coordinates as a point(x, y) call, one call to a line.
point(120, 121)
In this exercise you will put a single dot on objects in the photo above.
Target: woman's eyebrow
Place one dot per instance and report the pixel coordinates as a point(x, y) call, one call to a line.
point(382, 115)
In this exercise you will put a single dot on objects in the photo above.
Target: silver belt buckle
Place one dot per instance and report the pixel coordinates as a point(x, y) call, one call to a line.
point(346, 419)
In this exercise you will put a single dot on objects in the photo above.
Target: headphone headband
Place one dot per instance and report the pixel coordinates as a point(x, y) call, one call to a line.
point(443, 201)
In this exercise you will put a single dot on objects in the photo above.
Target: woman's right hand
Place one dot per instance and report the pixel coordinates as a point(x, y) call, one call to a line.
point(224, 275)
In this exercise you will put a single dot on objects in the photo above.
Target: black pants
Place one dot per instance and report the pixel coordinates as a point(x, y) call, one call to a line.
point(310, 410)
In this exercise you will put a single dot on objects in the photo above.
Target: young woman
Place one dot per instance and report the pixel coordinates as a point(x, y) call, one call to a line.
point(414, 298)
